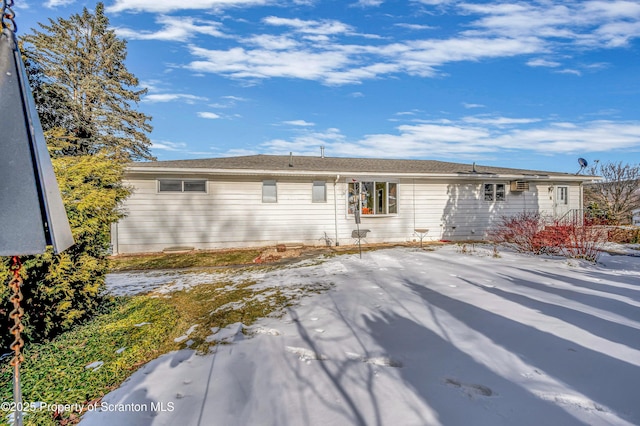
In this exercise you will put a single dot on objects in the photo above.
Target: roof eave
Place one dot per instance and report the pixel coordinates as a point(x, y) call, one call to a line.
point(133, 170)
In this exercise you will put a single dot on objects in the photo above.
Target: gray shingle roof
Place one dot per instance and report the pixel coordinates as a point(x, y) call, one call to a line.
point(339, 165)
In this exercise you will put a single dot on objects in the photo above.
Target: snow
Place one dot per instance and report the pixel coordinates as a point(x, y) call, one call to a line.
point(406, 336)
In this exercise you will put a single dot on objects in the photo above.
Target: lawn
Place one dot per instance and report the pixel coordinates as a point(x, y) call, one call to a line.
point(403, 336)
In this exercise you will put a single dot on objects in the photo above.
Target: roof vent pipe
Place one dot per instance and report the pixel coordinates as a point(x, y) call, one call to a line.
point(290, 159)
point(321, 151)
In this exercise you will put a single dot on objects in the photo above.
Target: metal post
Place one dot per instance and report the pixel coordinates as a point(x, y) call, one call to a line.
point(17, 395)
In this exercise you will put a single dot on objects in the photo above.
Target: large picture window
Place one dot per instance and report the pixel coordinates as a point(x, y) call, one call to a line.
point(373, 198)
point(182, 185)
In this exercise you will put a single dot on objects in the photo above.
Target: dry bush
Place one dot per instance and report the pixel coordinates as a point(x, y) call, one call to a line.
point(519, 231)
point(530, 232)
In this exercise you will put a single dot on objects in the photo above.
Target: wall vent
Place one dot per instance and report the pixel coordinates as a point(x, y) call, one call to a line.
point(519, 186)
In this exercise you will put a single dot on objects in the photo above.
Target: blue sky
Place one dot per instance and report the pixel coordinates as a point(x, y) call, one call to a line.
point(531, 84)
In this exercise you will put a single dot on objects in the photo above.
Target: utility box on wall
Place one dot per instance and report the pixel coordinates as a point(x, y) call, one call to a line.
point(519, 186)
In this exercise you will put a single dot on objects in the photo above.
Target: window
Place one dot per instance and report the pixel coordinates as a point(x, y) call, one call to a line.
point(319, 192)
point(269, 191)
point(495, 192)
point(182, 185)
point(563, 195)
point(194, 186)
point(373, 198)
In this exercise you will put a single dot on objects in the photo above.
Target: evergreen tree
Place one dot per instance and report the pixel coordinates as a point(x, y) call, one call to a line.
point(81, 84)
point(82, 91)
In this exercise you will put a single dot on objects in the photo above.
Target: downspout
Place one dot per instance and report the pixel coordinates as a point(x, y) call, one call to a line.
point(581, 206)
point(414, 204)
point(335, 208)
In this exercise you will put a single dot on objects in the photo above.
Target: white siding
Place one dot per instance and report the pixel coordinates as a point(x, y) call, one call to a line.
point(232, 214)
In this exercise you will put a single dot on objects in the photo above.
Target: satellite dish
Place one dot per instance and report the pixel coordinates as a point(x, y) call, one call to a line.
point(583, 164)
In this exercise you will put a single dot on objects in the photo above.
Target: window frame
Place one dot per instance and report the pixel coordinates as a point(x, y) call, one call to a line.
point(182, 182)
point(369, 202)
point(267, 198)
point(497, 194)
point(318, 184)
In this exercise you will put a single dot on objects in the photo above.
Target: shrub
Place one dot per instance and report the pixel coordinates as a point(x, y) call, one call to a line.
point(65, 289)
point(528, 232)
point(520, 231)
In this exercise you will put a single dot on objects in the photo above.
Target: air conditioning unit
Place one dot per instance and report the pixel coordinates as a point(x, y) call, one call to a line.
point(519, 186)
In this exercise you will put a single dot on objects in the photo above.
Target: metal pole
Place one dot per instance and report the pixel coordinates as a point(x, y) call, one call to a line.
point(17, 395)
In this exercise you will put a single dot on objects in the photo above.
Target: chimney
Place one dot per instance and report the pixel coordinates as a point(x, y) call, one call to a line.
point(321, 151)
point(290, 159)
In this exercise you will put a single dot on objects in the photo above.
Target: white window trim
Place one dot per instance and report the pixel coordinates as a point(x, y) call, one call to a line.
point(374, 181)
point(494, 192)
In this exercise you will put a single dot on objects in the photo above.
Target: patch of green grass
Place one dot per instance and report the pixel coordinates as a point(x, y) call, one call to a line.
point(183, 260)
point(54, 372)
point(146, 325)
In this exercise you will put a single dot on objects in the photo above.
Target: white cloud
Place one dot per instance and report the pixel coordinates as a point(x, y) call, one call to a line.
point(324, 27)
point(174, 28)
point(51, 4)
point(335, 64)
point(369, 3)
point(272, 42)
point(569, 71)
point(416, 27)
point(595, 24)
point(209, 115)
point(166, 6)
point(470, 105)
point(322, 50)
point(543, 63)
point(168, 146)
point(470, 141)
point(172, 97)
point(499, 121)
point(257, 63)
point(301, 123)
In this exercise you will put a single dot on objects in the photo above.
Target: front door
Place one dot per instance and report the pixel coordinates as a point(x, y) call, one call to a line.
point(561, 201)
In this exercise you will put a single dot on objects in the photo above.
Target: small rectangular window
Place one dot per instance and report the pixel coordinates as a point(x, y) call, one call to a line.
point(488, 192)
point(179, 185)
point(170, 185)
point(393, 198)
point(500, 192)
point(319, 192)
point(269, 191)
point(195, 186)
point(563, 195)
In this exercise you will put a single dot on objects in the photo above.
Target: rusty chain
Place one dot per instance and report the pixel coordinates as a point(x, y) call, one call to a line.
point(16, 315)
point(8, 16)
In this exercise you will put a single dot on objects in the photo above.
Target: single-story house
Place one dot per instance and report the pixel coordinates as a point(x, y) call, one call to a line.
point(261, 200)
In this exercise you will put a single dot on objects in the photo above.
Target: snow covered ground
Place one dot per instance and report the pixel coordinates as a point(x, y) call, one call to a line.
point(410, 337)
